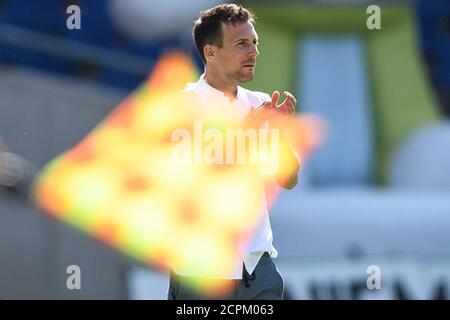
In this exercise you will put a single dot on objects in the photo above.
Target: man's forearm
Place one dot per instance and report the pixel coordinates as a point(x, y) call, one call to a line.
point(289, 166)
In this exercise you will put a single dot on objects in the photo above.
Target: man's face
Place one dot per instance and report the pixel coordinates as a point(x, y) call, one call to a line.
point(236, 60)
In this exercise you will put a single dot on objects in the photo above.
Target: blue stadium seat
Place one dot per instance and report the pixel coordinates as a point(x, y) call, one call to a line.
point(96, 25)
point(43, 15)
point(115, 78)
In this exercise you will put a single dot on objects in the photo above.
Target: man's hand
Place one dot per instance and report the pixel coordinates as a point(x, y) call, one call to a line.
point(282, 113)
point(258, 116)
point(278, 115)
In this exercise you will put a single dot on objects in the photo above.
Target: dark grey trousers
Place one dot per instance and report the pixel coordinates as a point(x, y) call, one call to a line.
point(265, 283)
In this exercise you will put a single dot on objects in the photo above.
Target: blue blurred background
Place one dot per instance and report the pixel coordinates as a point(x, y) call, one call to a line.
point(376, 193)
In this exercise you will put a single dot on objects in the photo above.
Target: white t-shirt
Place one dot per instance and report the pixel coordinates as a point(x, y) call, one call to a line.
point(262, 237)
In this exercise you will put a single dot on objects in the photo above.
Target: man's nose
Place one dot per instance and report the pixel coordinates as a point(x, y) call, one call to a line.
point(254, 51)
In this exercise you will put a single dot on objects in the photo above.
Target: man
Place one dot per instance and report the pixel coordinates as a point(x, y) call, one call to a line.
point(228, 44)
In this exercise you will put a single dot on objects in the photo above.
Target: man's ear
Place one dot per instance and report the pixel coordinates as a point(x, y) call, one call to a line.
point(210, 52)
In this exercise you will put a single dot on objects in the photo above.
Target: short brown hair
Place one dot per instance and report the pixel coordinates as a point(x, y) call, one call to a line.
point(208, 27)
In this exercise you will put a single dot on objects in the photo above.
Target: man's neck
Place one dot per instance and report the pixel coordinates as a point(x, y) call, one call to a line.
point(215, 81)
